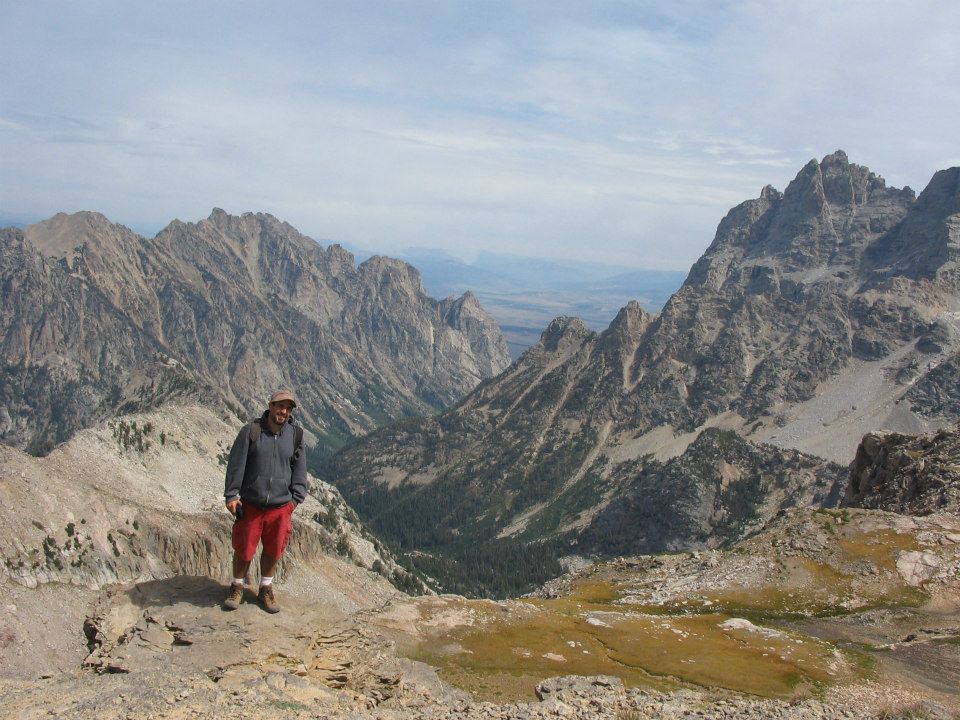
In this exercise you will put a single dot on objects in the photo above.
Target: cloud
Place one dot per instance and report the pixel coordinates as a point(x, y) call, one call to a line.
point(572, 129)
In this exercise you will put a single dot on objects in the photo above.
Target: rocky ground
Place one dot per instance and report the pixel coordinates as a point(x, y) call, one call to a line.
point(167, 650)
point(114, 567)
point(855, 611)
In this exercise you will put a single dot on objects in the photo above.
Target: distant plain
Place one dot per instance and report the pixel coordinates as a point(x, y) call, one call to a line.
point(524, 293)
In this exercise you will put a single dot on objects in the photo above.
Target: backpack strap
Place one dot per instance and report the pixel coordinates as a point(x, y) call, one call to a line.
point(297, 442)
point(256, 428)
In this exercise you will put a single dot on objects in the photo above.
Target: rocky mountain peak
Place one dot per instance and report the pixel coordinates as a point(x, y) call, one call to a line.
point(465, 315)
point(339, 259)
point(834, 180)
point(626, 329)
point(630, 317)
point(828, 216)
point(244, 304)
point(770, 194)
point(942, 194)
point(927, 243)
point(847, 184)
point(63, 234)
point(457, 309)
point(249, 233)
point(564, 333)
point(394, 273)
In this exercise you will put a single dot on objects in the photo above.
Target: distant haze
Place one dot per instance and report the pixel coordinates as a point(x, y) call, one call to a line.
point(523, 294)
point(616, 132)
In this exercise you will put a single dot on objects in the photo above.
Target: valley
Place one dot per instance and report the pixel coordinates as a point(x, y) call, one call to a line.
point(810, 320)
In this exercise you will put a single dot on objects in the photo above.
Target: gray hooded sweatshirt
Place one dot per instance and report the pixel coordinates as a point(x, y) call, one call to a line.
point(266, 473)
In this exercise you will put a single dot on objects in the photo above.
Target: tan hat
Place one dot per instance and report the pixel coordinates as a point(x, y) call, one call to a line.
point(281, 395)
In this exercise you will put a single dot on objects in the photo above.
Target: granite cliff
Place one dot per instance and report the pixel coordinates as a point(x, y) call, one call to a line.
point(99, 319)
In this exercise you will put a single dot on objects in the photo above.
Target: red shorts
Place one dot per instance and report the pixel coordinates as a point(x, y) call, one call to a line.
point(272, 525)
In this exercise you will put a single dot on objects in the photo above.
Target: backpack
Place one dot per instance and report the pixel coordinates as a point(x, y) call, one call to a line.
point(256, 427)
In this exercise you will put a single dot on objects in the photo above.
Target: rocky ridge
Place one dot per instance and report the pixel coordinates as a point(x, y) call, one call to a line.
point(224, 310)
point(910, 474)
point(807, 321)
point(139, 501)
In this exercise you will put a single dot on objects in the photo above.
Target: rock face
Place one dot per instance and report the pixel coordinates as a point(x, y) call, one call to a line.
point(721, 489)
point(775, 306)
point(805, 322)
point(99, 319)
point(910, 474)
point(927, 243)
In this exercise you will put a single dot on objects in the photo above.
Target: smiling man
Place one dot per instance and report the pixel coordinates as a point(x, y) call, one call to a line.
point(266, 479)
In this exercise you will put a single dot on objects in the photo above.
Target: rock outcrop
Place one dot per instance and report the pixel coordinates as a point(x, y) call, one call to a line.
point(101, 320)
point(909, 474)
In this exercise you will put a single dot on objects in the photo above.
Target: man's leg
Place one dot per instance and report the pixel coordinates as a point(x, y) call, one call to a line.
point(276, 532)
point(240, 567)
point(268, 565)
point(245, 538)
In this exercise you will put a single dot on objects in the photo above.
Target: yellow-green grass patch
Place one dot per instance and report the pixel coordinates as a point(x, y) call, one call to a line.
point(880, 547)
point(505, 658)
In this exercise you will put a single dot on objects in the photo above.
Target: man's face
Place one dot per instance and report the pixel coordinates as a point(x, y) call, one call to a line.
point(280, 411)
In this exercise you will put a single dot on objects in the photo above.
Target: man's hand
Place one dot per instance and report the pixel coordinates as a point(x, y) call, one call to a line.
point(232, 506)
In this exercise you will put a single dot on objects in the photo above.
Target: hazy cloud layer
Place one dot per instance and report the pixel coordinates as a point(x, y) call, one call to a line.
point(618, 131)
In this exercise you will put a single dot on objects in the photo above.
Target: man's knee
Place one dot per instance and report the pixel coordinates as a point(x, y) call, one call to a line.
point(245, 540)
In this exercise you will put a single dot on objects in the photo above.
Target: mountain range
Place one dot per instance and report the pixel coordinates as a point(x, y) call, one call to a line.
point(99, 320)
point(710, 431)
point(815, 315)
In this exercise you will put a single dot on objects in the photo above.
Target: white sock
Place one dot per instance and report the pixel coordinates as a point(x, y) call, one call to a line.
point(266, 581)
point(239, 581)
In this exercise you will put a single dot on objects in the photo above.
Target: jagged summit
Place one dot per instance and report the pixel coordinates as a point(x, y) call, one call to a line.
point(243, 304)
point(628, 319)
point(394, 273)
point(827, 217)
point(564, 332)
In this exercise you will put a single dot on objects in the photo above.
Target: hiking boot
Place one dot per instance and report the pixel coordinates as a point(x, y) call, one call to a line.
point(267, 600)
point(234, 598)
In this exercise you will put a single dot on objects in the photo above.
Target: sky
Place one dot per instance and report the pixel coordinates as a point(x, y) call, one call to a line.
point(616, 132)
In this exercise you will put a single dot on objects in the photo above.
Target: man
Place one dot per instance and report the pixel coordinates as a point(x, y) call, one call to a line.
point(266, 480)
